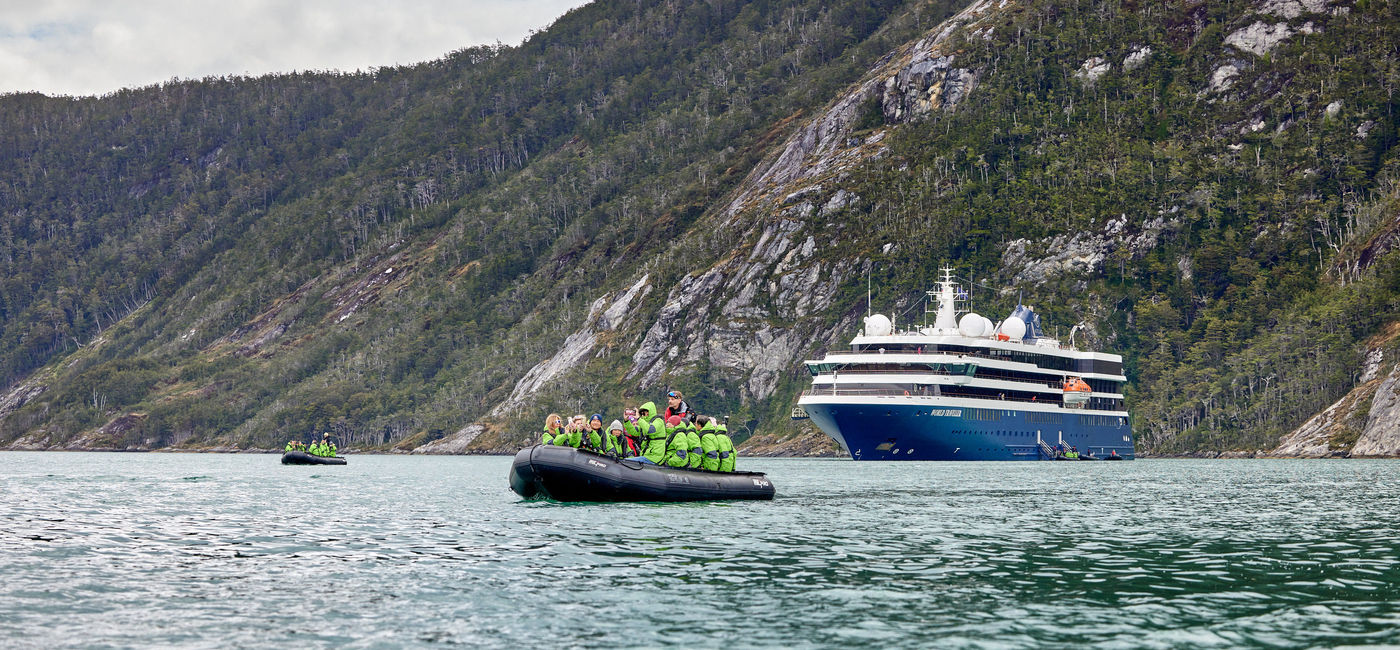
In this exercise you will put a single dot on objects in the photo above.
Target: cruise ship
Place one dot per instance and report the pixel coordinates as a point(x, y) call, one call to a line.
point(968, 389)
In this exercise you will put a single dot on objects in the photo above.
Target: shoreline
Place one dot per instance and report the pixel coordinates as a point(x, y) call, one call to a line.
point(768, 452)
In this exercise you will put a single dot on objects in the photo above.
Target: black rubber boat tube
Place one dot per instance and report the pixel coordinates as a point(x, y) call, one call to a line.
point(568, 474)
point(303, 458)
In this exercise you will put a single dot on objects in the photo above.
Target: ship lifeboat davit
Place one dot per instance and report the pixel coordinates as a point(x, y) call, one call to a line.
point(1076, 391)
point(568, 474)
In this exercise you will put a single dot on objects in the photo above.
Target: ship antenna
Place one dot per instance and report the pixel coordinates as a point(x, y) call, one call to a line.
point(867, 293)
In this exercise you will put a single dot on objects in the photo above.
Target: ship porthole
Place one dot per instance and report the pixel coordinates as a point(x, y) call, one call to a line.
point(910, 451)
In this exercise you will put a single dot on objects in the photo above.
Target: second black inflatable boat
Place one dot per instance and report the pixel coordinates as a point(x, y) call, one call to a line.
point(303, 458)
point(568, 474)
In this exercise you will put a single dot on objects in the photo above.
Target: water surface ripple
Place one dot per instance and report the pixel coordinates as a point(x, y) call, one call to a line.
point(192, 550)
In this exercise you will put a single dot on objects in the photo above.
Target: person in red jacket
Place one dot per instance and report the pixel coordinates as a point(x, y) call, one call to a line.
point(675, 405)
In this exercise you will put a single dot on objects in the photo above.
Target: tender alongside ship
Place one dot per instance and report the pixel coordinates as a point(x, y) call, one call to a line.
point(968, 389)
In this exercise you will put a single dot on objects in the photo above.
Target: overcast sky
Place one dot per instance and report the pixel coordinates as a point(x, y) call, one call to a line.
point(93, 47)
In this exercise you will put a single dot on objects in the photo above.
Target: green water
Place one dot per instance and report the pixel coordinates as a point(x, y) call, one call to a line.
point(194, 550)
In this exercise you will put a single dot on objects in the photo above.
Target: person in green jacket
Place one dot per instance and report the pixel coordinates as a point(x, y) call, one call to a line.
point(552, 425)
point(290, 446)
point(596, 436)
point(696, 453)
point(709, 443)
point(572, 435)
point(617, 438)
point(725, 447)
point(654, 442)
point(653, 433)
point(677, 443)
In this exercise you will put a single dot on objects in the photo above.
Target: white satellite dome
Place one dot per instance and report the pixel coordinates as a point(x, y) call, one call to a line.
point(987, 326)
point(878, 325)
point(1014, 328)
point(973, 325)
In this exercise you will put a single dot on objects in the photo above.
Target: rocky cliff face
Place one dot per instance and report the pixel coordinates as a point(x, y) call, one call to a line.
point(747, 318)
point(1366, 422)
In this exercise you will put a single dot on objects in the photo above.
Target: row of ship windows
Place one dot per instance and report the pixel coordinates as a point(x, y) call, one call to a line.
point(1019, 434)
point(957, 369)
point(991, 415)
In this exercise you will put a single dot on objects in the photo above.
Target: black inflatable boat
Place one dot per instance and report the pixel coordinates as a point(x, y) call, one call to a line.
point(568, 474)
point(303, 458)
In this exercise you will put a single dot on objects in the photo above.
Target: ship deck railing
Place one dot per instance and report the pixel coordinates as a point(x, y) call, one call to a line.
point(956, 355)
point(882, 392)
point(1057, 385)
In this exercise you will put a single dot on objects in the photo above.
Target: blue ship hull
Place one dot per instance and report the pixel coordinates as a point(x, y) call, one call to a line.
point(924, 432)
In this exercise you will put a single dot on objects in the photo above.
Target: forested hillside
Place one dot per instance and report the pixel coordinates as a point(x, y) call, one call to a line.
point(380, 254)
point(661, 194)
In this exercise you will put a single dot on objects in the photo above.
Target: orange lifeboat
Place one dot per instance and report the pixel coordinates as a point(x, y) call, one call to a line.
point(1076, 391)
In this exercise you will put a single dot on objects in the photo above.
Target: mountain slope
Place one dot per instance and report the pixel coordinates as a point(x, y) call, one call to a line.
point(227, 260)
point(652, 195)
point(1091, 155)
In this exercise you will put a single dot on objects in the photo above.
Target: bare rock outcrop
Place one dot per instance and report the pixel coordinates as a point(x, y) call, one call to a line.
point(457, 443)
point(1381, 437)
point(608, 312)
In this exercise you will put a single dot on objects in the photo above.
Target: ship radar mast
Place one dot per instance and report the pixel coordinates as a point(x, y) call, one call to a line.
point(946, 295)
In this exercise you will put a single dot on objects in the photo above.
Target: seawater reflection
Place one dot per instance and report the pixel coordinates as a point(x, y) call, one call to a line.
point(237, 550)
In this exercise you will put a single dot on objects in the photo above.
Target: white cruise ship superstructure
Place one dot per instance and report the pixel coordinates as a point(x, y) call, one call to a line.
point(968, 389)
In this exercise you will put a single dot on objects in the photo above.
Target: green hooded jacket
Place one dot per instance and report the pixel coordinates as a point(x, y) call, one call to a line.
point(654, 441)
point(601, 441)
point(696, 452)
point(677, 447)
point(725, 447)
point(709, 447)
point(567, 438)
point(615, 434)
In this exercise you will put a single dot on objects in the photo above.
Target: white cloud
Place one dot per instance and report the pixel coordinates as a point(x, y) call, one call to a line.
point(92, 47)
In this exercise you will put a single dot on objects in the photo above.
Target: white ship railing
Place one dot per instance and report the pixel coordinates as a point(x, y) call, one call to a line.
point(901, 394)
